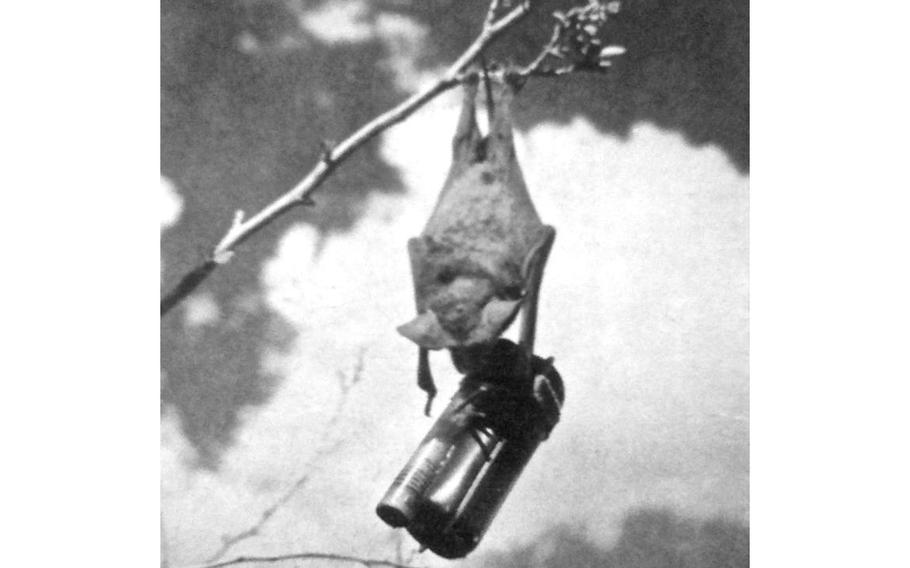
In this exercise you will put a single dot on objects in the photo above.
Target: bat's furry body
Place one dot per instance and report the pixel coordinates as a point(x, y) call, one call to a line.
point(472, 262)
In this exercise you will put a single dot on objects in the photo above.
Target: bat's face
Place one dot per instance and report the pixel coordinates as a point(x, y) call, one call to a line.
point(458, 305)
point(463, 311)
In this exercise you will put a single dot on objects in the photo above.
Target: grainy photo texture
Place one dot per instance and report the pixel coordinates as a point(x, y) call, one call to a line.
point(529, 220)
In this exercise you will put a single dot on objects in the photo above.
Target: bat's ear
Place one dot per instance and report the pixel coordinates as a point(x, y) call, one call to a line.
point(424, 330)
point(496, 316)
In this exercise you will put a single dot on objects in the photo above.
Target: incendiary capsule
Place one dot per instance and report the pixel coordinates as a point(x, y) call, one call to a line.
point(454, 484)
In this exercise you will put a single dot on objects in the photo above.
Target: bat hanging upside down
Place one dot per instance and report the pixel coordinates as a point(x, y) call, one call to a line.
point(480, 258)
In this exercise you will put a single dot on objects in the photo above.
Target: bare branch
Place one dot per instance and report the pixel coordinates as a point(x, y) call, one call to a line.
point(573, 43)
point(495, 6)
point(368, 562)
point(187, 284)
point(300, 193)
point(326, 447)
point(548, 50)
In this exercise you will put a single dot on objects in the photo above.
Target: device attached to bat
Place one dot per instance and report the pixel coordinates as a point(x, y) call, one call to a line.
point(459, 476)
point(480, 257)
point(477, 263)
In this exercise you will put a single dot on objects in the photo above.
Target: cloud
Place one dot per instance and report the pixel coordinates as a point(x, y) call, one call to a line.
point(654, 538)
point(170, 203)
point(201, 309)
point(338, 22)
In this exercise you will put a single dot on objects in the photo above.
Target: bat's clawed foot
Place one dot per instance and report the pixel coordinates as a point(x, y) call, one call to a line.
point(425, 379)
point(429, 405)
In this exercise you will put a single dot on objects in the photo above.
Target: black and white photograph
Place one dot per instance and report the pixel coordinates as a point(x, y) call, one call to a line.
point(454, 283)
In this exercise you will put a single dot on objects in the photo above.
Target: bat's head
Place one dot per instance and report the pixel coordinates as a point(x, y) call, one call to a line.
point(465, 311)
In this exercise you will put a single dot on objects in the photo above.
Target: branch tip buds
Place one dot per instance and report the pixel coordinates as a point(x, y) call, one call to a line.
point(577, 37)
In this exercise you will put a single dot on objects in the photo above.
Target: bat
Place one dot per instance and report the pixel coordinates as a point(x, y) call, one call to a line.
point(480, 257)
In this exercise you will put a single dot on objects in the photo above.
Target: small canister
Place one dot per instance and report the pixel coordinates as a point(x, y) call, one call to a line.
point(454, 484)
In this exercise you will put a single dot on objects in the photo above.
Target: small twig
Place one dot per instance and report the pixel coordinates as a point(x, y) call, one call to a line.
point(345, 385)
point(327, 147)
point(300, 193)
point(495, 5)
point(548, 49)
point(368, 562)
point(573, 40)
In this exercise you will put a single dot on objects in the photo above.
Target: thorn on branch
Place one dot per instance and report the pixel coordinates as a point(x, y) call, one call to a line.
point(223, 253)
point(222, 256)
point(325, 154)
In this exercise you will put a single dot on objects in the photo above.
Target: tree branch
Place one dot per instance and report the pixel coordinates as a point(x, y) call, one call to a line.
point(573, 43)
point(187, 284)
point(242, 229)
point(368, 562)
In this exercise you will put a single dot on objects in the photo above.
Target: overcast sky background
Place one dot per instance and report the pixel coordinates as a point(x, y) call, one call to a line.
point(644, 306)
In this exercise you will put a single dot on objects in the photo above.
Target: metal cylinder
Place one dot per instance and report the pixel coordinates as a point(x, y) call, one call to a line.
point(454, 484)
point(486, 495)
point(401, 503)
point(405, 497)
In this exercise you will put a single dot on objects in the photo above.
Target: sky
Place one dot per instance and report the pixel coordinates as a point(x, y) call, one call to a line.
point(644, 306)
